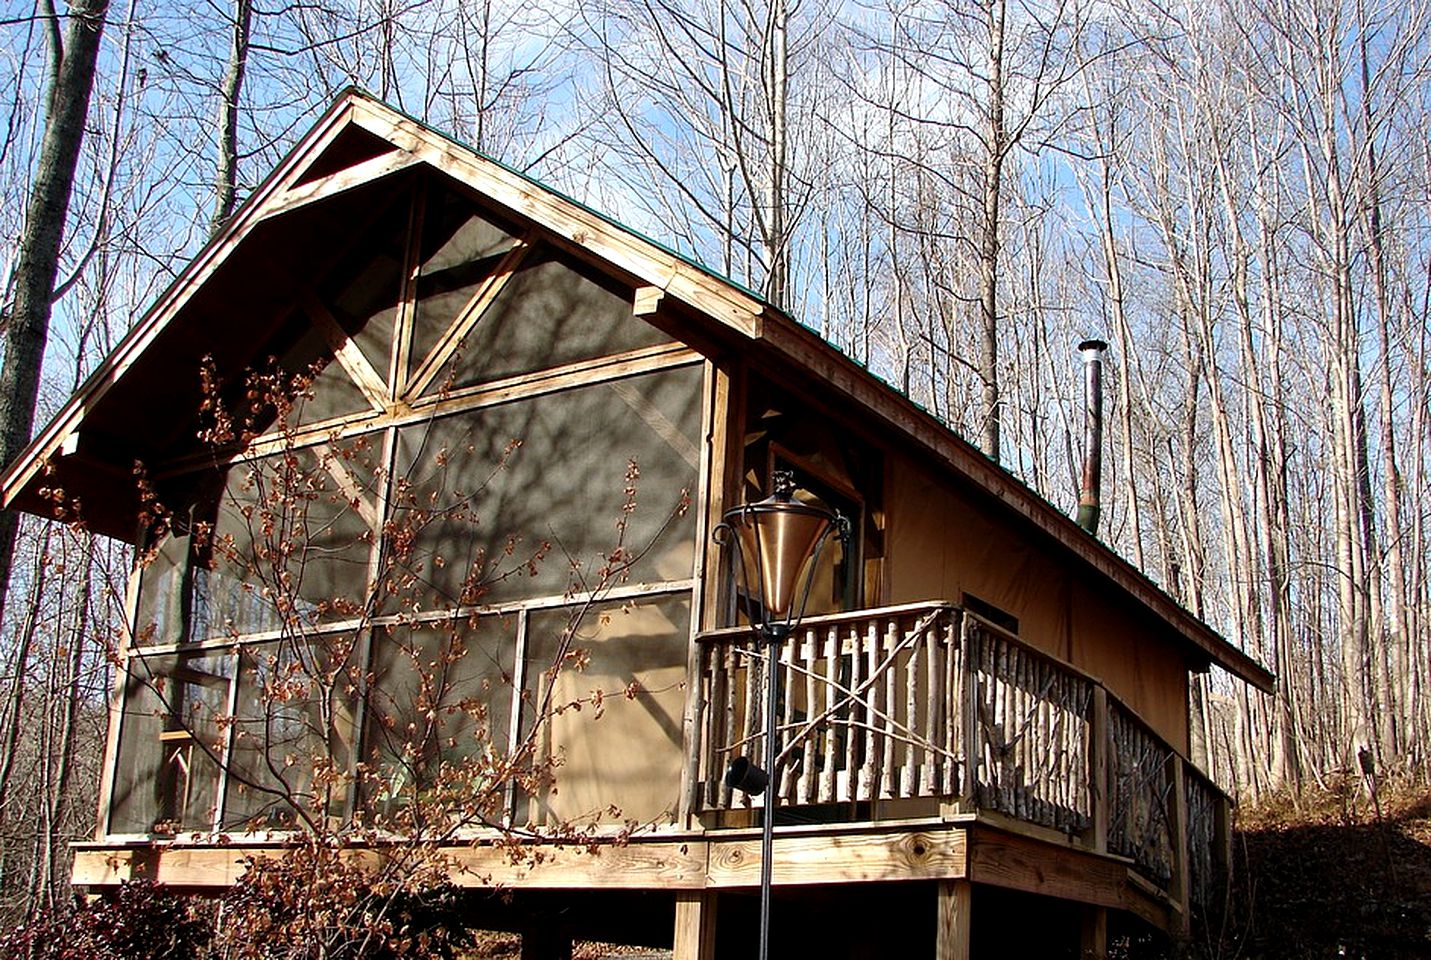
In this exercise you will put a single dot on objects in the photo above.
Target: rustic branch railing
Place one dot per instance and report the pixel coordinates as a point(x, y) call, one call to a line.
point(1033, 732)
point(1140, 793)
point(889, 704)
point(865, 708)
point(1208, 838)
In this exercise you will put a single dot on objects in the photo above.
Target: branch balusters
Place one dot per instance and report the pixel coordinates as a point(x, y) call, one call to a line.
point(929, 701)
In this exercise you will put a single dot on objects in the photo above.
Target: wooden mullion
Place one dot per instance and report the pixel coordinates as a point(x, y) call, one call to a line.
point(696, 730)
point(514, 728)
point(526, 386)
point(407, 302)
point(467, 318)
point(351, 489)
point(230, 736)
point(580, 374)
point(365, 647)
point(349, 356)
point(631, 592)
point(116, 702)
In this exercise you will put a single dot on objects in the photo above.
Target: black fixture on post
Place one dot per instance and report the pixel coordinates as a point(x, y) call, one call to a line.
point(777, 542)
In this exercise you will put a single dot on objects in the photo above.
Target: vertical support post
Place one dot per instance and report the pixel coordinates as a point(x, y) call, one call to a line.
point(695, 925)
point(514, 721)
point(1178, 823)
point(1094, 936)
point(1222, 835)
point(696, 724)
point(117, 692)
point(1098, 769)
point(969, 712)
point(952, 937)
point(366, 648)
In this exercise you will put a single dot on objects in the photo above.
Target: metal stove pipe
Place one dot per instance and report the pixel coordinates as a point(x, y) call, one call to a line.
point(1090, 502)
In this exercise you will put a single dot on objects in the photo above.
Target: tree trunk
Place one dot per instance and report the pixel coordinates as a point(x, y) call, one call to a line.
point(226, 176)
point(995, 137)
point(39, 243)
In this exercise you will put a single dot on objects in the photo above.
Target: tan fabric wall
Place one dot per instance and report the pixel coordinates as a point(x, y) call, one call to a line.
point(621, 760)
point(942, 545)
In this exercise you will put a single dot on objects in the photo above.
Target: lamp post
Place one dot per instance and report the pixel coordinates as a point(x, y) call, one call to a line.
point(777, 542)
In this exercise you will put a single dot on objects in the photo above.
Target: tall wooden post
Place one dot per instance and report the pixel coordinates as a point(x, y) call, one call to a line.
point(1098, 770)
point(1094, 935)
point(955, 920)
point(1093, 943)
point(695, 925)
point(969, 714)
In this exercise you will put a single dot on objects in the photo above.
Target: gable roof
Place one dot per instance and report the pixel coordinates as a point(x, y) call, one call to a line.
point(359, 142)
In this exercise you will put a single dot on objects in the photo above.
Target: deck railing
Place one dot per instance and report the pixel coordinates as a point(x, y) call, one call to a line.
point(930, 701)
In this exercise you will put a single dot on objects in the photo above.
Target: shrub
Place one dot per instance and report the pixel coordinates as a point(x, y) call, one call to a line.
point(138, 921)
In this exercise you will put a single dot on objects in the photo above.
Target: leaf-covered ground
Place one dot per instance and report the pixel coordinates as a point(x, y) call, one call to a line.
point(1328, 875)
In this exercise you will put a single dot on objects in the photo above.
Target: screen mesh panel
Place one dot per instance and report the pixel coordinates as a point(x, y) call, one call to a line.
point(364, 291)
point(527, 499)
point(293, 722)
point(552, 312)
point(287, 536)
point(460, 249)
point(439, 718)
point(167, 776)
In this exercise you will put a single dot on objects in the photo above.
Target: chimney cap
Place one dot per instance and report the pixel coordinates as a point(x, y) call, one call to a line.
point(1099, 345)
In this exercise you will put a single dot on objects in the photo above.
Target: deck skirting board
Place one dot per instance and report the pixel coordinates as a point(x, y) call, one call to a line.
point(969, 851)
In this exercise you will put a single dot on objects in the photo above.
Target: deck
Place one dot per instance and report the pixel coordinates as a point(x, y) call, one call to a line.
point(918, 743)
point(881, 709)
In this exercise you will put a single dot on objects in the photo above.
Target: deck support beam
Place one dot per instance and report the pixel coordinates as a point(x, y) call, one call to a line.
point(695, 925)
point(952, 937)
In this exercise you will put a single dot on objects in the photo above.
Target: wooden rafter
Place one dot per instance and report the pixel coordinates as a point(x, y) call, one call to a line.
point(572, 226)
point(350, 357)
point(359, 174)
point(213, 255)
point(466, 319)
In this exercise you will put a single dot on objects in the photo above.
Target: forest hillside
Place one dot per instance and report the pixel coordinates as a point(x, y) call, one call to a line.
point(1331, 874)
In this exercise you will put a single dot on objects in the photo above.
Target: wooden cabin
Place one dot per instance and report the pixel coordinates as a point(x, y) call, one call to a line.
point(498, 418)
